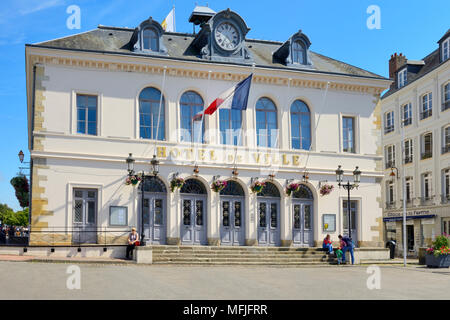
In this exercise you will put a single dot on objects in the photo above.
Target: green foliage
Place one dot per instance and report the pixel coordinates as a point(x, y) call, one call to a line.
point(20, 184)
point(9, 217)
point(441, 241)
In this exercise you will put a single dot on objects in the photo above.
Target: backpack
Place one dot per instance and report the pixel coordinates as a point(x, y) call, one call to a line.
point(348, 241)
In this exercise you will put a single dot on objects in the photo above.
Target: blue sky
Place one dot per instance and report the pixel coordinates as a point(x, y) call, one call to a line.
point(336, 29)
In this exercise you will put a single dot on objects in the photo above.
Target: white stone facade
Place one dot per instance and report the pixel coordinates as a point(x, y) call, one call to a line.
point(64, 160)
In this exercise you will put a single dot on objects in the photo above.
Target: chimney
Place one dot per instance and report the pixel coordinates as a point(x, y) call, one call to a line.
point(395, 63)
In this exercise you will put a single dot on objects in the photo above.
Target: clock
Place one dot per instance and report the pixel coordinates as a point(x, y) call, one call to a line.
point(227, 36)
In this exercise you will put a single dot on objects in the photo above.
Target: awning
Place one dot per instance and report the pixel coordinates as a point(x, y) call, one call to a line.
point(409, 217)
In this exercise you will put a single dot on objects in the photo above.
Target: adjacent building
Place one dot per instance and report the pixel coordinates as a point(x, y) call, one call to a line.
point(96, 97)
point(416, 140)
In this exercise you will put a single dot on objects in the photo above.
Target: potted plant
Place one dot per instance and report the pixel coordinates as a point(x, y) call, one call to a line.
point(218, 185)
point(291, 188)
point(176, 183)
point(326, 189)
point(437, 255)
point(133, 179)
point(257, 186)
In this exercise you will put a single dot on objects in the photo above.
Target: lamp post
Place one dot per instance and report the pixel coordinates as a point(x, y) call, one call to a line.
point(155, 170)
point(348, 186)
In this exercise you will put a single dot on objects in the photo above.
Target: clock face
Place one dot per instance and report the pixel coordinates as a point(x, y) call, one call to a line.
point(227, 36)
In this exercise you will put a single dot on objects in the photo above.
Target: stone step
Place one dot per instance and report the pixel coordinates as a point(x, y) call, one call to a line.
point(242, 263)
point(237, 255)
point(266, 260)
point(232, 248)
point(240, 251)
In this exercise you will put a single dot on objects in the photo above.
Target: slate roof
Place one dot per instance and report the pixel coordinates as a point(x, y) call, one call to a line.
point(115, 41)
point(431, 63)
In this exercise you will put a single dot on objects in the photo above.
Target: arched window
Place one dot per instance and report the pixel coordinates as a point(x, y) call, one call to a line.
point(269, 190)
point(190, 104)
point(266, 123)
point(151, 117)
point(193, 186)
point(153, 184)
point(298, 52)
point(232, 189)
point(230, 126)
point(150, 39)
point(303, 193)
point(300, 125)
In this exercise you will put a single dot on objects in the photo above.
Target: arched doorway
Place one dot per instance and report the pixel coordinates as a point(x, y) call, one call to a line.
point(193, 212)
point(155, 195)
point(232, 230)
point(302, 206)
point(269, 216)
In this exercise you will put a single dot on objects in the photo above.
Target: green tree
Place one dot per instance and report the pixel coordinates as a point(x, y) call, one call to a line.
point(9, 217)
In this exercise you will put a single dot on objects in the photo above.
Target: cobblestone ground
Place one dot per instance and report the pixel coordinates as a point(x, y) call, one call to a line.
point(30, 280)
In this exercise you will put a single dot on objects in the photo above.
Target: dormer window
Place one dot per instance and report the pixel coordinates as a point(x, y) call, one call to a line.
point(298, 52)
point(402, 78)
point(446, 49)
point(150, 39)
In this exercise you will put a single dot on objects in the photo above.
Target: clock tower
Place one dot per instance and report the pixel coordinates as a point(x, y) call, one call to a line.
point(222, 38)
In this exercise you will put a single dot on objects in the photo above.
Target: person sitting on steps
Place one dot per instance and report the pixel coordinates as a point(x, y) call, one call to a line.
point(327, 244)
point(132, 242)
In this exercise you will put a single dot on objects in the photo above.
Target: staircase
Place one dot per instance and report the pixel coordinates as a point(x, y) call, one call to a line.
point(214, 255)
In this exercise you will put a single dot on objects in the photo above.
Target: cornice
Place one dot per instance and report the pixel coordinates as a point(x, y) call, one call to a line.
point(191, 73)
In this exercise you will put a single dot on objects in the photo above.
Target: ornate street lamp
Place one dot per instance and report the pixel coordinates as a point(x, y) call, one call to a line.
point(130, 164)
point(348, 186)
point(21, 156)
point(155, 166)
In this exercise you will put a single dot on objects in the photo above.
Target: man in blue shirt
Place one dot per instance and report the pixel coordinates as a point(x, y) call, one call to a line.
point(347, 244)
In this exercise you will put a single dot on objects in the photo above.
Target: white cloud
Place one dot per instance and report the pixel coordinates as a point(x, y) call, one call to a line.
point(40, 5)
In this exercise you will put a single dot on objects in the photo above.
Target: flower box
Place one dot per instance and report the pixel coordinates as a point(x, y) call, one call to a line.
point(441, 261)
point(257, 186)
point(218, 185)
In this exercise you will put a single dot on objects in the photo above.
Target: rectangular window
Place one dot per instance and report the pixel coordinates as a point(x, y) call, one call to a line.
point(426, 186)
point(446, 185)
point(85, 207)
point(118, 216)
point(230, 123)
point(446, 49)
point(408, 147)
point(426, 106)
point(402, 77)
point(389, 122)
point(408, 186)
point(390, 156)
point(348, 127)
point(390, 194)
point(353, 210)
point(446, 97)
point(427, 145)
point(446, 140)
point(407, 114)
point(87, 114)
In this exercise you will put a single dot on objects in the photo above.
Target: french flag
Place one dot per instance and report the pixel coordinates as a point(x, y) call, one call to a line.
point(237, 95)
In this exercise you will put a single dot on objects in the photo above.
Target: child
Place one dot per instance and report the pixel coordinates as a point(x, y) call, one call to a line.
point(339, 255)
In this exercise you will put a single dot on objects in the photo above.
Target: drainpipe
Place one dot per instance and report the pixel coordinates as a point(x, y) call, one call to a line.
point(33, 97)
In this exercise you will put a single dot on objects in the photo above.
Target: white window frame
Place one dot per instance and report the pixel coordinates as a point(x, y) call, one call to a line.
point(422, 142)
point(445, 92)
point(402, 77)
point(427, 181)
point(389, 125)
point(409, 106)
point(445, 51)
point(428, 103)
point(408, 145)
point(446, 184)
point(409, 182)
point(390, 156)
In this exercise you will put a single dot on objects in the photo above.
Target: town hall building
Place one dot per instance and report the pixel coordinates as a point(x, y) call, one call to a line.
point(103, 104)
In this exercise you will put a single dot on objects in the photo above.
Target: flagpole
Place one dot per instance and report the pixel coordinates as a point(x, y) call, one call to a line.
point(240, 130)
point(205, 105)
point(159, 110)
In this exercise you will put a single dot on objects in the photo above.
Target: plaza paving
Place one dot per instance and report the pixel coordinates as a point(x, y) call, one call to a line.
point(32, 280)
